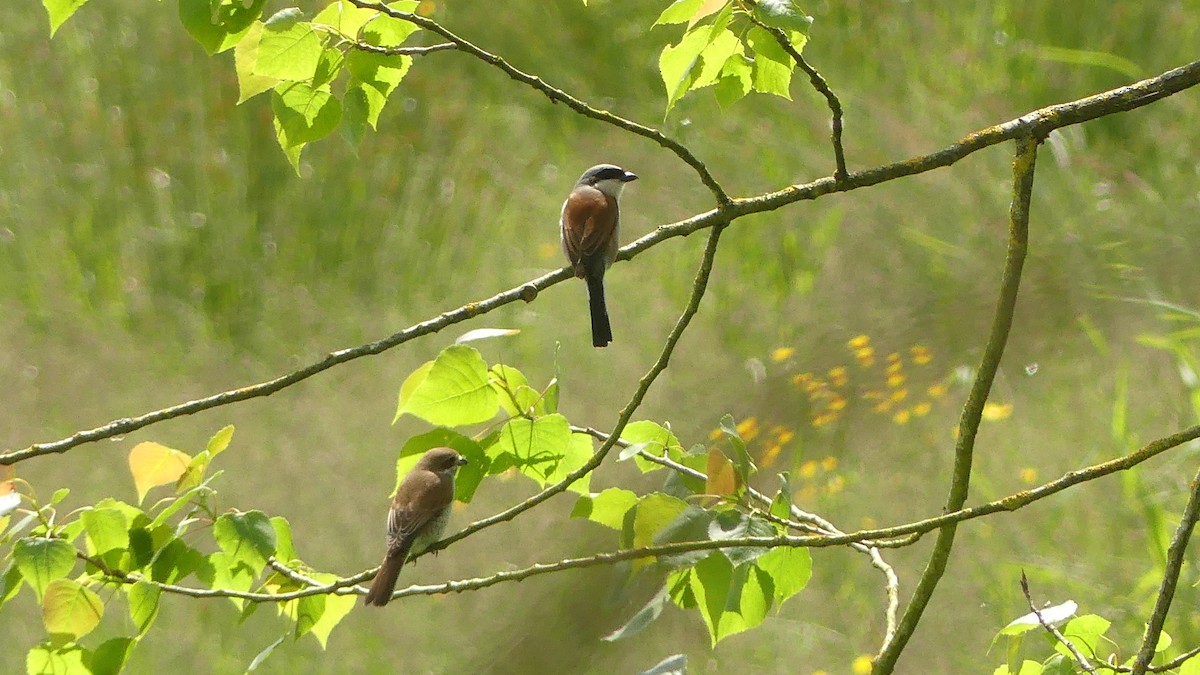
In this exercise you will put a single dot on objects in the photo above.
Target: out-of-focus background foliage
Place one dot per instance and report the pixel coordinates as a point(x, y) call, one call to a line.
point(155, 246)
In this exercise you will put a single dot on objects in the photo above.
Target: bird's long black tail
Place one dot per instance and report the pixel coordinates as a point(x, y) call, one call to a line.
point(601, 329)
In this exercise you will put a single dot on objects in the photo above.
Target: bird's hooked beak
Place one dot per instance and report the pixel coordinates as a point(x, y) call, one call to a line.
point(461, 460)
point(629, 177)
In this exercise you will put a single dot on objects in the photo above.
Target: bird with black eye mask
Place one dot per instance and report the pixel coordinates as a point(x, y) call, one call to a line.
point(590, 225)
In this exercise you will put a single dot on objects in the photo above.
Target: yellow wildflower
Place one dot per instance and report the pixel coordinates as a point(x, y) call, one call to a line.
point(922, 409)
point(858, 342)
point(899, 394)
point(838, 376)
point(808, 469)
point(748, 428)
point(1029, 475)
point(801, 379)
point(782, 354)
point(862, 665)
point(829, 463)
point(938, 391)
point(920, 354)
point(835, 485)
point(895, 380)
point(838, 403)
point(769, 455)
point(901, 417)
point(997, 411)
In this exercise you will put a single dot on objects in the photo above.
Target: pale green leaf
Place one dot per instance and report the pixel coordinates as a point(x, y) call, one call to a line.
point(454, 391)
point(59, 11)
point(70, 609)
point(245, 61)
point(42, 560)
point(288, 51)
point(247, 537)
point(607, 507)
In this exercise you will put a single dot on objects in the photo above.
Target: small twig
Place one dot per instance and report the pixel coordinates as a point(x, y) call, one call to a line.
point(972, 413)
point(1062, 639)
point(291, 573)
point(558, 95)
point(835, 106)
point(1166, 591)
point(403, 51)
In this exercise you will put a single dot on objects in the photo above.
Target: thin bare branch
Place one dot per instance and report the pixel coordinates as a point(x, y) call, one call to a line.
point(1166, 590)
point(559, 96)
point(1082, 660)
point(822, 87)
point(404, 51)
point(972, 413)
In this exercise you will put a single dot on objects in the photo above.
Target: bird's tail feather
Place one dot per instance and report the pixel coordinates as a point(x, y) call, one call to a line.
point(601, 329)
point(385, 582)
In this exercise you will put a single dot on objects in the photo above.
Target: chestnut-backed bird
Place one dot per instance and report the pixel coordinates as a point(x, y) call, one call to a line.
point(417, 517)
point(590, 224)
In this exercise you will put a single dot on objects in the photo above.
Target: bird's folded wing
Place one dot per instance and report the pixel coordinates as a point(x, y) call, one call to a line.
point(594, 218)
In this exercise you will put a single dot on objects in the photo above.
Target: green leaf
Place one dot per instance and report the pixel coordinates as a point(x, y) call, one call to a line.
point(344, 18)
point(654, 439)
point(288, 50)
point(48, 659)
point(454, 391)
point(59, 495)
point(304, 114)
point(388, 31)
point(60, 11)
point(285, 550)
point(42, 560)
point(654, 512)
point(336, 608)
point(607, 507)
point(514, 392)
point(542, 448)
point(741, 458)
point(642, 618)
point(329, 66)
point(781, 506)
point(691, 524)
point(730, 599)
point(69, 609)
point(245, 62)
point(10, 583)
point(262, 656)
point(176, 561)
point(790, 568)
point(733, 524)
point(1085, 633)
point(308, 611)
point(110, 657)
point(228, 573)
point(680, 11)
point(676, 63)
point(579, 452)
point(723, 48)
point(143, 604)
point(107, 529)
point(782, 14)
point(219, 24)
point(246, 537)
point(772, 66)
point(219, 442)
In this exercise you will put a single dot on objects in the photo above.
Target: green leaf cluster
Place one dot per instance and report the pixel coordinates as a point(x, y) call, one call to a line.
point(78, 565)
point(319, 80)
point(524, 434)
point(730, 45)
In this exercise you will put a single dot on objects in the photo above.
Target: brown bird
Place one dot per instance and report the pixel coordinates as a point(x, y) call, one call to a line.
point(417, 517)
point(590, 225)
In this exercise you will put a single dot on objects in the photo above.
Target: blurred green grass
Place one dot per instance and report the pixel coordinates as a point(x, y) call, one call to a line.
point(155, 246)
